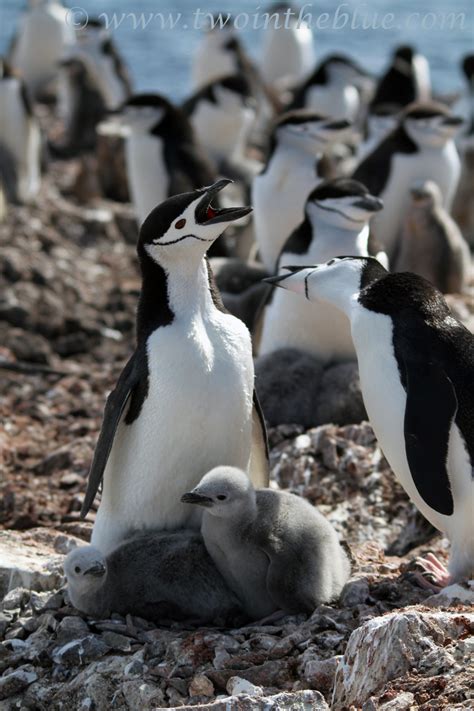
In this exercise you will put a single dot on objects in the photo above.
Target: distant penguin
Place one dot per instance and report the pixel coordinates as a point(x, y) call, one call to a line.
point(406, 80)
point(42, 38)
point(337, 215)
point(279, 192)
point(219, 54)
point(162, 156)
point(185, 401)
point(420, 148)
point(222, 115)
point(158, 576)
point(416, 365)
point(380, 122)
point(331, 89)
point(20, 139)
point(467, 67)
point(274, 549)
point(431, 243)
point(287, 49)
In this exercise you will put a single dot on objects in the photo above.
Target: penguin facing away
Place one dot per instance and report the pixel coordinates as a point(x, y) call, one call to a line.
point(185, 400)
point(42, 38)
point(416, 365)
point(158, 576)
point(337, 215)
point(279, 192)
point(431, 243)
point(406, 80)
point(273, 548)
point(420, 148)
point(20, 137)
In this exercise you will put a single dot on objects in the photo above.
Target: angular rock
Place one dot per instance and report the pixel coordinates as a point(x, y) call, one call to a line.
point(288, 701)
point(80, 651)
point(26, 562)
point(16, 681)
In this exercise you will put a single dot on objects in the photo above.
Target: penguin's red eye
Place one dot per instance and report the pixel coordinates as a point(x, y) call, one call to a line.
point(210, 213)
point(180, 224)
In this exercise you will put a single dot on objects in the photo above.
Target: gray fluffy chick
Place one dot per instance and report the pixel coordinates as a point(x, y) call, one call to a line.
point(158, 576)
point(274, 549)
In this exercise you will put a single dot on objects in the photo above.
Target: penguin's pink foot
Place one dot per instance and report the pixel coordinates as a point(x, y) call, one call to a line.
point(435, 575)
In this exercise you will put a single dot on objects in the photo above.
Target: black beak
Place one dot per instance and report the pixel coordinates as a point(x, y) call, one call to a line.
point(338, 125)
point(275, 280)
point(193, 498)
point(369, 203)
point(97, 570)
point(453, 121)
point(206, 214)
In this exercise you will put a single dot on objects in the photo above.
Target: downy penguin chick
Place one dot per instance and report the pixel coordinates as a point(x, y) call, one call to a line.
point(416, 365)
point(431, 243)
point(158, 576)
point(274, 549)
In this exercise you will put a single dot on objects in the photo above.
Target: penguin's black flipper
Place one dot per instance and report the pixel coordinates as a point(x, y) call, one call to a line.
point(430, 409)
point(260, 454)
point(114, 408)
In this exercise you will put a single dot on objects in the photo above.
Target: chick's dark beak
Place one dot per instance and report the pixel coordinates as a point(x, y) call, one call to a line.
point(97, 570)
point(193, 498)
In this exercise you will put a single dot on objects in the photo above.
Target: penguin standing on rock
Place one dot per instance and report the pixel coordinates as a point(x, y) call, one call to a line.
point(337, 215)
point(185, 401)
point(431, 243)
point(279, 192)
point(416, 364)
point(420, 148)
point(20, 139)
point(274, 549)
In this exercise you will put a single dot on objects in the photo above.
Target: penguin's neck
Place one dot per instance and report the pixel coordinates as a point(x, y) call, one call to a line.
point(178, 290)
point(332, 240)
point(292, 160)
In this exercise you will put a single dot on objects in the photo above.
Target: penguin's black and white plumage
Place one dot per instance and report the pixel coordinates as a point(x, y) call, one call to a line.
point(332, 89)
point(219, 54)
point(420, 148)
point(380, 121)
point(337, 215)
point(42, 38)
point(185, 401)
point(299, 141)
point(222, 114)
point(287, 47)
point(416, 365)
point(406, 80)
point(20, 139)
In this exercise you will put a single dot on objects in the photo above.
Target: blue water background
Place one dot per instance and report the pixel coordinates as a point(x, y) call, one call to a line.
point(160, 59)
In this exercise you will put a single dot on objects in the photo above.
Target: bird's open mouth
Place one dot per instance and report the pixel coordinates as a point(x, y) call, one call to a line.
point(207, 214)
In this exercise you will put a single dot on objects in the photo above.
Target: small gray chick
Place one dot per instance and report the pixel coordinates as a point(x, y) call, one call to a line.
point(275, 550)
point(158, 576)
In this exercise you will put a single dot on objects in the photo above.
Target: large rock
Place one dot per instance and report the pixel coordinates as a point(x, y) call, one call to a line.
point(298, 701)
point(388, 647)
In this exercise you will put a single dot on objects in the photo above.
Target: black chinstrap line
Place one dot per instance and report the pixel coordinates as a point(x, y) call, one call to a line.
point(339, 212)
point(180, 239)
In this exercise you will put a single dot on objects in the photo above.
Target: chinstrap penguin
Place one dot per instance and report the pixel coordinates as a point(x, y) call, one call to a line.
point(279, 192)
point(337, 215)
point(420, 148)
point(287, 48)
point(274, 549)
point(158, 576)
point(416, 365)
point(431, 243)
point(42, 39)
point(20, 138)
point(406, 80)
point(185, 401)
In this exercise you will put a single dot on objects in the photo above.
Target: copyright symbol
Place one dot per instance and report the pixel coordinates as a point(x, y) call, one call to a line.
point(77, 17)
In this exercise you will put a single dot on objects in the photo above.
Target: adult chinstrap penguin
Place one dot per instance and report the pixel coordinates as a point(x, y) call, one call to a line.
point(431, 243)
point(298, 142)
point(274, 549)
point(416, 364)
point(185, 400)
point(158, 576)
point(420, 148)
point(406, 80)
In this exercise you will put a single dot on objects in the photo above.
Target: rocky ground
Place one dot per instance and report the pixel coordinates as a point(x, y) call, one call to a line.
point(69, 283)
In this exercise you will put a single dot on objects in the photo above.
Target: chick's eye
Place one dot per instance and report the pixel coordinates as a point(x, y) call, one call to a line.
point(77, 569)
point(180, 224)
point(221, 497)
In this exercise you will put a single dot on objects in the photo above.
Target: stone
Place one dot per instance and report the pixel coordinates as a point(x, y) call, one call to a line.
point(236, 685)
point(320, 673)
point(200, 685)
point(71, 628)
point(27, 563)
point(355, 592)
point(16, 681)
point(299, 701)
point(80, 651)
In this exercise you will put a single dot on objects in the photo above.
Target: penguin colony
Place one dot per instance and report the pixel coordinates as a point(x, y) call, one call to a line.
point(351, 178)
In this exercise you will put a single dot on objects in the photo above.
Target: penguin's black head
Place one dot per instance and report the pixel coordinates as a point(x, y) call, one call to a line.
point(309, 131)
point(430, 124)
point(468, 67)
point(336, 67)
point(186, 224)
point(342, 202)
point(405, 52)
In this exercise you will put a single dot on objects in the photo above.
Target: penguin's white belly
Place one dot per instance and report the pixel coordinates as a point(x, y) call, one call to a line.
point(211, 63)
point(278, 201)
point(287, 53)
point(20, 134)
point(197, 415)
point(334, 102)
point(147, 175)
point(217, 130)
point(442, 166)
point(317, 328)
point(385, 401)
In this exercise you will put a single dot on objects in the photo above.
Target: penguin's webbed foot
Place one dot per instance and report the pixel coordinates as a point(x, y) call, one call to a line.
point(435, 575)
